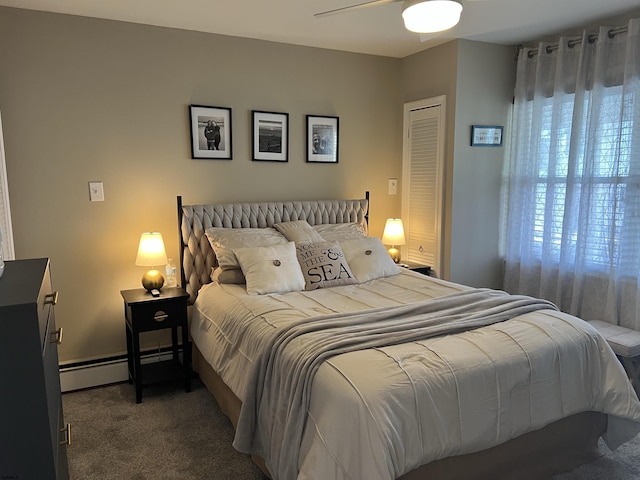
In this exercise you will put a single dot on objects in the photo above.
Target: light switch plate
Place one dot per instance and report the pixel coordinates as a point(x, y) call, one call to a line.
point(96, 192)
point(393, 186)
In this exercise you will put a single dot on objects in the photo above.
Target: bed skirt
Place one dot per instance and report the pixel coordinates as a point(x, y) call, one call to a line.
point(537, 455)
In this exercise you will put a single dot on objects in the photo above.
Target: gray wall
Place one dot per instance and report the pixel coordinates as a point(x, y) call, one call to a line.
point(477, 79)
point(85, 99)
point(484, 94)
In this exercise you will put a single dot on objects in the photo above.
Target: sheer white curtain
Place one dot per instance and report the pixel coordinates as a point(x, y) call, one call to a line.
point(6, 232)
point(573, 217)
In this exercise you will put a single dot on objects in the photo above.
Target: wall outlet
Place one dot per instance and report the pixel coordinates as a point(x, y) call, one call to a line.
point(96, 192)
point(393, 186)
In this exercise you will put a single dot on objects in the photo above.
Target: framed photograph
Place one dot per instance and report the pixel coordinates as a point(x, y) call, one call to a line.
point(270, 136)
point(210, 132)
point(486, 135)
point(322, 139)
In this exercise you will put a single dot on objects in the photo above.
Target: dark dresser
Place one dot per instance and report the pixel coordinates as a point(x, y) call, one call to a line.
point(34, 435)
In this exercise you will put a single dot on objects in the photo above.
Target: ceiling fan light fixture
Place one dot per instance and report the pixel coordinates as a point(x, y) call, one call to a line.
point(429, 16)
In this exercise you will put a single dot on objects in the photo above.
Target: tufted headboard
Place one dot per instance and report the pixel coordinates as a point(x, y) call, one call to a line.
point(197, 257)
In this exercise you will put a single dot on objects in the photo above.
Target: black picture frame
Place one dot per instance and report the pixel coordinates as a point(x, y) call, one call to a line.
point(323, 139)
point(486, 135)
point(211, 132)
point(270, 136)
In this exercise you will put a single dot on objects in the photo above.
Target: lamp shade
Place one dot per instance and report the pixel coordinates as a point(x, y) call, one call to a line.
point(429, 16)
point(151, 250)
point(393, 232)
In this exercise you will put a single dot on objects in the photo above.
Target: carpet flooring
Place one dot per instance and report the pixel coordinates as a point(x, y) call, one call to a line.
point(173, 435)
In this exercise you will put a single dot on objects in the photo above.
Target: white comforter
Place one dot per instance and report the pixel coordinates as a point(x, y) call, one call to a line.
point(379, 413)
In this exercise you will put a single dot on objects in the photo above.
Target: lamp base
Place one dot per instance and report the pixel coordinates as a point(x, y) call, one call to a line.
point(152, 279)
point(395, 254)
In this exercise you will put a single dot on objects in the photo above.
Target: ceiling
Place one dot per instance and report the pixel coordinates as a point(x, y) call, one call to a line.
point(376, 30)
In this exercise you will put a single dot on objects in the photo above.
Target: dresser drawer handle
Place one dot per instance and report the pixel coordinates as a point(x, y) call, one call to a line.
point(56, 337)
point(66, 431)
point(160, 316)
point(51, 298)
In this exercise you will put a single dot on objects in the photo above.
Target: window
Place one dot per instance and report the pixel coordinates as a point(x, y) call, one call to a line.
point(562, 213)
point(572, 233)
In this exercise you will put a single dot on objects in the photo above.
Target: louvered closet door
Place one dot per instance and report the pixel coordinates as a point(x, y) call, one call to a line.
point(423, 177)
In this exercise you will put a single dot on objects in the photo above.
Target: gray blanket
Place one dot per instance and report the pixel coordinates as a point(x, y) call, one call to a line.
point(274, 409)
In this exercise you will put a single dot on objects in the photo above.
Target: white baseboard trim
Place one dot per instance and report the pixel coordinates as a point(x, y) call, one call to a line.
point(87, 376)
point(101, 373)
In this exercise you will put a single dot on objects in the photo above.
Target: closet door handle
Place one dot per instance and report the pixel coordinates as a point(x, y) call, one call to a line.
point(66, 431)
point(56, 337)
point(51, 298)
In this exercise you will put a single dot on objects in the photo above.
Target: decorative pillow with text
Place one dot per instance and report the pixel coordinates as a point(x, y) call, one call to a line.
point(323, 265)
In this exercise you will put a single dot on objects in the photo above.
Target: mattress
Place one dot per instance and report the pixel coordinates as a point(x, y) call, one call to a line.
point(381, 412)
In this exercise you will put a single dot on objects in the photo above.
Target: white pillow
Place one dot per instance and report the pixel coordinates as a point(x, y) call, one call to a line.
point(323, 265)
point(299, 231)
point(368, 259)
point(225, 240)
point(338, 232)
point(232, 275)
point(273, 269)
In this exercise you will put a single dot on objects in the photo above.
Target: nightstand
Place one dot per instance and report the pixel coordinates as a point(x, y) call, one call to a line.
point(417, 267)
point(145, 313)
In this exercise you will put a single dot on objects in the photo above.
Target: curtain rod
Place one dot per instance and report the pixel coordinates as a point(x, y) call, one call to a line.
point(572, 43)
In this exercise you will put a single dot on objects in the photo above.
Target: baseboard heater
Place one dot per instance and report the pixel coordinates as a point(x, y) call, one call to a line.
point(105, 371)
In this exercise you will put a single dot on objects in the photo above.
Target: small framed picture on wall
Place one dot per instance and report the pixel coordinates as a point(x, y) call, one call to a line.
point(486, 135)
point(210, 132)
point(270, 136)
point(322, 139)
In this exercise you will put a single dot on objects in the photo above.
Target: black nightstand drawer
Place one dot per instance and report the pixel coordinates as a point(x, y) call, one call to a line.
point(157, 315)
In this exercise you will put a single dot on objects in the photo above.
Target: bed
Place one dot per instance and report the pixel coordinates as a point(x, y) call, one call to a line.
point(383, 373)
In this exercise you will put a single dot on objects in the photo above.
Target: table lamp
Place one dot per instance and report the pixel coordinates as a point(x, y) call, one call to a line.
point(394, 235)
point(151, 253)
